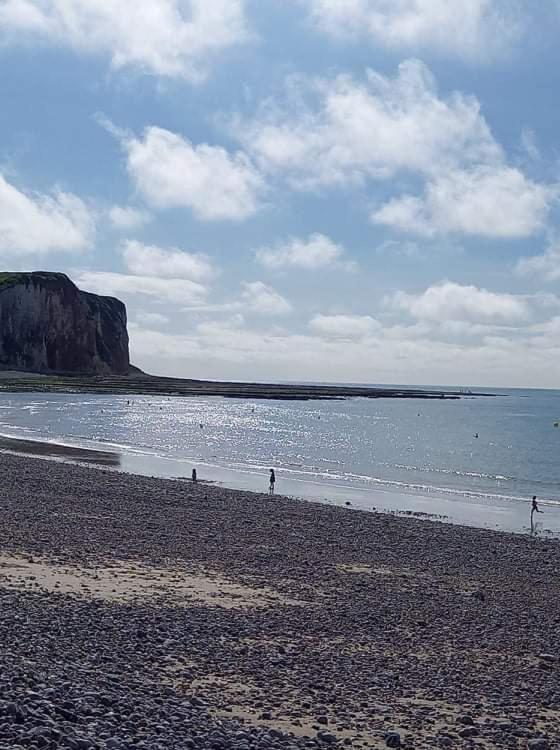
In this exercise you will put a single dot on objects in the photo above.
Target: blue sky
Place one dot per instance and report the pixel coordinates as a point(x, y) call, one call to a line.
point(334, 190)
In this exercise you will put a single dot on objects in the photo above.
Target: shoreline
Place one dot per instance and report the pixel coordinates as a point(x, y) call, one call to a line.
point(151, 385)
point(500, 513)
point(140, 612)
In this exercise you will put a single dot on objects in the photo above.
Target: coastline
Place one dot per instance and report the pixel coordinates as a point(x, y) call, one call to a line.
point(139, 383)
point(499, 513)
point(225, 618)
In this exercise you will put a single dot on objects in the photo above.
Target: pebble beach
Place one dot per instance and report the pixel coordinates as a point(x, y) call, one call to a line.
point(150, 614)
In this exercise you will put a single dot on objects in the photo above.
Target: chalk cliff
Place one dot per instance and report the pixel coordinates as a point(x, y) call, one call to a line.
point(47, 325)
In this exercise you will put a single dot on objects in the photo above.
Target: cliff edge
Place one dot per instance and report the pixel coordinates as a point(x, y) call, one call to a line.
point(47, 325)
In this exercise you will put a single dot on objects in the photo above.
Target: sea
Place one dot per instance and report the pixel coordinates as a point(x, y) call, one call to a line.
point(477, 460)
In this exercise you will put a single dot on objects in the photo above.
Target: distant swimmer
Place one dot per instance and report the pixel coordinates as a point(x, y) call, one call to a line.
point(476, 435)
point(272, 482)
point(201, 426)
point(194, 476)
point(534, 509)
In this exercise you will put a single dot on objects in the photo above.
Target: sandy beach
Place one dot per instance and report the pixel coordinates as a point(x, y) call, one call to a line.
point(152, 614)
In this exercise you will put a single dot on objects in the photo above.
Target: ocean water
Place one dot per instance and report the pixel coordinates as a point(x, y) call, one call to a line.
point(405, 447)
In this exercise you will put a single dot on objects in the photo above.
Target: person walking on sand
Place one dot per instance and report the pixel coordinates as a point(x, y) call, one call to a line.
point(272, 482)
point(534, 509)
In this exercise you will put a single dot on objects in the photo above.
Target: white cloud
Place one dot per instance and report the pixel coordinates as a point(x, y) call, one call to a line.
point(406, 249)
point(470, 29)
point(448, 301)
point(315, 252)
point(260, 298)
point(344, 131)
point(127, 218)
point(176, 38)
point(220, 308)
point(344, 326)
point(150, 260)
point(218, 328)
point(487, 201)
point(152, 319)
point(546, 265)
point(34, 223)
point(404, 355)
point(177, 291)
point(169, 171)
point(529, 144)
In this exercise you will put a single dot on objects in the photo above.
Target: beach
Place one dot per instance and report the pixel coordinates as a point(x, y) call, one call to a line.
point(396, 456)
point(148, 613)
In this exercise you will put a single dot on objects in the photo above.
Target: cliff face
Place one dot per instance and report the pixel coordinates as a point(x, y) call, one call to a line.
point(48, 325)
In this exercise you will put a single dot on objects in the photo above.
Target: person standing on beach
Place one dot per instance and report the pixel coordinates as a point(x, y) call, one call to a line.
point(534, 509)
point(272, 482)
point(194, 476)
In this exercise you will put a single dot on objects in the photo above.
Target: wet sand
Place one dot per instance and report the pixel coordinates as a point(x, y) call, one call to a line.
point(152, 614)
point(57, 450)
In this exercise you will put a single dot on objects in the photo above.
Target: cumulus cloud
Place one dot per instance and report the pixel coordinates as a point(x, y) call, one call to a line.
point(127, 218)
point(343, 131)
point(150, 260)
point(547, 265)
point(151, 319)
point(177, 291)
point(174, 38)
point(495, 201)
point(317, 251)
point(170, 172)
point(475, 30)
point(35, 224)
point(449, 301)
point(347, 132)
point(398, 354)
point(260, 298)
point(529, 144)
point(344, 326)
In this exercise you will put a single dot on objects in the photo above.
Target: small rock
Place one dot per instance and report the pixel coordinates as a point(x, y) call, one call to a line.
point(327, 737)
point(445, 742)
point(540, 743)
point(393, 739)
point(469, 732)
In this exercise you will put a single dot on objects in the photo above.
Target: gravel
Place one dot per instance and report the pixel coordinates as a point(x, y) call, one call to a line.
point(385, 629)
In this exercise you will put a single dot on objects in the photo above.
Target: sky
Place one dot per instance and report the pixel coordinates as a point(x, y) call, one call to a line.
point(295, 190)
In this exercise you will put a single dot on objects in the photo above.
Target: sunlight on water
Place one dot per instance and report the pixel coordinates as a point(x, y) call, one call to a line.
point(428, 446)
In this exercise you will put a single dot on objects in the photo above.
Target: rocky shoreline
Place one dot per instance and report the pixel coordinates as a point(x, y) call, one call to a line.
point(148, 614)
point(139, 383)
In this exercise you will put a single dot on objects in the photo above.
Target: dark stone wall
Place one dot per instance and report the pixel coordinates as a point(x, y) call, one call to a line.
point(47, 325)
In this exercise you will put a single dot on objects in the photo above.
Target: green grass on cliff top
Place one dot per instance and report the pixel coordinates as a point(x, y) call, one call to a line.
point(7, 278)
